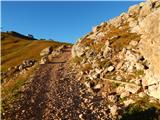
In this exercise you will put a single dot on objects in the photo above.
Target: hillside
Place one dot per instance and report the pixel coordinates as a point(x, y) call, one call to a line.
point(18, 51)
point(17, 47)
point(119, 60)
point(111, 73)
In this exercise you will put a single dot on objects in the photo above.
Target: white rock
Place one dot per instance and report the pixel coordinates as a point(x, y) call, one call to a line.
point(110, 68)
point(118, 77)
point(133, 43)
point(98, 86)
point(128, 102)
point(113, 110)
point(141, 94)
point(134, 10)
point(139, 66)
point(112, 98)
point(46, 51)
point(124, 94)
point(131, 88)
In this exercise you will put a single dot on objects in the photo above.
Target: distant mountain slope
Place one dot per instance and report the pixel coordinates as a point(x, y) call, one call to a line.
point(17, 47)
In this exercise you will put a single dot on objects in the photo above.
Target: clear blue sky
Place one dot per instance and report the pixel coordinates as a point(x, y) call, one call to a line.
point(61, 21)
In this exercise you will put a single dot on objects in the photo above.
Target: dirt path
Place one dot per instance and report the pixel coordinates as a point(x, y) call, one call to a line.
point(54, 94)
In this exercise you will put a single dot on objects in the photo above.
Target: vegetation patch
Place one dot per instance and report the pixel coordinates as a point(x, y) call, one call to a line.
point(142, 110)
point(10, 90)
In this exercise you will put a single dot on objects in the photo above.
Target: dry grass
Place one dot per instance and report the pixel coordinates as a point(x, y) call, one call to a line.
point(10, 90)
point(16, 49)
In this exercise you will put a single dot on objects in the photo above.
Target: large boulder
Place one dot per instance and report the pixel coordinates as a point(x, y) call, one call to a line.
point(77, 51)
point(134, 10)
point(46, 51)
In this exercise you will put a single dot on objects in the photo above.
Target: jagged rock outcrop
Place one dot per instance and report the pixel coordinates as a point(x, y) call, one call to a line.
point(46, 51)
point(149, 28)
point(124, 51)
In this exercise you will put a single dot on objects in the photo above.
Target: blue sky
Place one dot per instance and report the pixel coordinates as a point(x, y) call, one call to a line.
point(61, 21)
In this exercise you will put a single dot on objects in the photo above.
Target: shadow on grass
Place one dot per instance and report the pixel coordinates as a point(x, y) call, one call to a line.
point(136, 114)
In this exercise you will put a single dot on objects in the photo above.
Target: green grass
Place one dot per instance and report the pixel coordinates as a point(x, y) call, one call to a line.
point(158, 6)
point(139, 73)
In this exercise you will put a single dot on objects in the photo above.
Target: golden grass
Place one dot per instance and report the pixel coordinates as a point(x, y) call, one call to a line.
point(15, 49)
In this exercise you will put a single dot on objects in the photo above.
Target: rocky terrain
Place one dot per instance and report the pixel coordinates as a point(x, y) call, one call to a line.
point(123, 53)
point(112, 73)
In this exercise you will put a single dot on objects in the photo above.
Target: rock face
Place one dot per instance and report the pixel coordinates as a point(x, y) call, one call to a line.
point(149, 28)
point(125, 49)
point(150, 48)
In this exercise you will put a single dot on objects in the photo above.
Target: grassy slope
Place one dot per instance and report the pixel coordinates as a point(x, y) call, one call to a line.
point(16, 49)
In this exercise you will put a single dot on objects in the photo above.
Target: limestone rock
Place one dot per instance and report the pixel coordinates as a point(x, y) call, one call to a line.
point(77, 51)
point(113, 110)
point(134, 10)
point(106, 49)
point(46, 51)
point(128, 102)
point(132, 89)
point(44, 60)
point(110, 68)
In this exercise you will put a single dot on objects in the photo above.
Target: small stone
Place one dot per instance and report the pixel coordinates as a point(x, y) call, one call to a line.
point(113, 110)
point(110, 68)
point(120, 89)
point(118, 77)
point(23, 111)
point(139, 66)
point(81, 116)
point(44, 60)
point(133, 43)
point(128, 102)
point(112, 98)
point(124, 94)
point(141, 94)
point(87, 84)
point(98, 86)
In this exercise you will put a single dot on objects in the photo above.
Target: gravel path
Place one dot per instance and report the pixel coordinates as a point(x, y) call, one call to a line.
point(54, 94)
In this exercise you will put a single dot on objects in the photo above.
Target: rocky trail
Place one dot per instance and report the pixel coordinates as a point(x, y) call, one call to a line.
point(53, 93)
point(111, 73)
